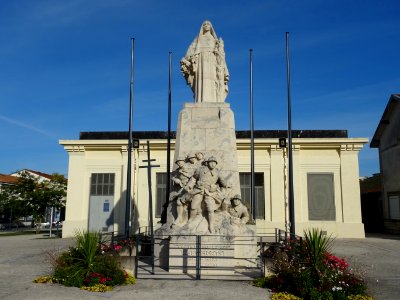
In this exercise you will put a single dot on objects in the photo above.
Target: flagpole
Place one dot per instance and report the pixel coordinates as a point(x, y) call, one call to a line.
point(129, 167)
point(164, 214)
point(252, 190)
point(290, 151)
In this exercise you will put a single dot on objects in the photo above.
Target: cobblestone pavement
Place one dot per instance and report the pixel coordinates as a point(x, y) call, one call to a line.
point(23, 258)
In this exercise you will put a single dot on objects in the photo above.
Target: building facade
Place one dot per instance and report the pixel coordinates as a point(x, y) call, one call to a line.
point(325, 168)
point(387, 140)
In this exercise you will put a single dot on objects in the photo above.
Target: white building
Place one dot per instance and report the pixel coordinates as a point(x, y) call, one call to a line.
point(326, 180)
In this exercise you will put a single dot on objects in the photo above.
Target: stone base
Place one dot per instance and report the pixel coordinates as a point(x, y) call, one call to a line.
point(245, 251)
point(219, 255)
point(128, 260)
point(216, 255)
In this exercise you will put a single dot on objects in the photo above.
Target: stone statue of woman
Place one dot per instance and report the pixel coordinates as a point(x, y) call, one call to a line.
point(204, 66)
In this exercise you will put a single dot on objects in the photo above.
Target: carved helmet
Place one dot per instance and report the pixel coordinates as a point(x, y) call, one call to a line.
point(191, 154)
point(180, 158)
point(212, 158)
point(237, 196)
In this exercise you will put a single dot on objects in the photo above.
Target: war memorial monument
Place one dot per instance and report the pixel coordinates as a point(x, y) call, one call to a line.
point(205, 196)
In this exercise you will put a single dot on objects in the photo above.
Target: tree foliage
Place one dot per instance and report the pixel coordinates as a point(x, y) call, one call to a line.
point(31, 196)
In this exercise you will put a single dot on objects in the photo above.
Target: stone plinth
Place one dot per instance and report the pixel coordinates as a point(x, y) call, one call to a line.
point(127, 260)
point(210, 128)
point(245, 251)
point(219, 255)
point(216, 255)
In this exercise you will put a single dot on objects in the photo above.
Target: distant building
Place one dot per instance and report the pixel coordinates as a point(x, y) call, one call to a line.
point(387, 140)
point(326, 180)
point(39, 175)
point(6, 180)
point(371, 203)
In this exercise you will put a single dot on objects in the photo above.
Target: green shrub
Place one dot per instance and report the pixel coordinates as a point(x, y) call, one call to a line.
point(87, 265)
point(284, 296)
point(317, 244)
point(88, 248)
point(359, 297)
point(129, 279)
point(307, 269)
point(263, 282)
point(44, 279)
point(102, 288)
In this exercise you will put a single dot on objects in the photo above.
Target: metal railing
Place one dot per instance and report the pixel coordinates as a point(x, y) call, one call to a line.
point(198, 257)
point(201, 256)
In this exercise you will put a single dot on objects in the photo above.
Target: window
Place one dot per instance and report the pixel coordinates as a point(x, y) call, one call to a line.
point(161, 189)
point(394, 206)
point(321, 197)
point(245, 189)
point(102, 184)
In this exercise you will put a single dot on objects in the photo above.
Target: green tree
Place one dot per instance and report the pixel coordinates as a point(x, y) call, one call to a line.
point(11, 207)
point(34, 196)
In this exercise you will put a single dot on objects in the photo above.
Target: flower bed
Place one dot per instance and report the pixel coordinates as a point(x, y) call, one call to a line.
point(90, 265)
point(307, 269)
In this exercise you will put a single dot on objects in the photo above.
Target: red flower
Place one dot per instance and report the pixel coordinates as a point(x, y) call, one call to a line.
point(103, 280)
point(117, 247)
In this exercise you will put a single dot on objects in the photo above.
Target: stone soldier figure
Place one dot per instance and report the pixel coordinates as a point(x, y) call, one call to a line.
point(192, 161)
point(182, 176)
point(238, 211)
point(200, 158)
point(207, 188)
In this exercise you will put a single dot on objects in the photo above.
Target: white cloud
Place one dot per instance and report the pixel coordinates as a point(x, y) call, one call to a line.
point(27, 126)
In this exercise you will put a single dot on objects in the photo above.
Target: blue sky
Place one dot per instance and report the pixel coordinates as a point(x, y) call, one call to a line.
point(64, 68)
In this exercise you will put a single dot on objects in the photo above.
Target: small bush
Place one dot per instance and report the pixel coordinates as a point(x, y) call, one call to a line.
point(44, 279)
point(284, 296)
point(102, 288)
point(88, 266)
point(263, 282)
point(307, 269)
point(129, 279)
point(359, 297)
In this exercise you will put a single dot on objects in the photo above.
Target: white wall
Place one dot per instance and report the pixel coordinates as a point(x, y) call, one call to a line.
point(336, 156)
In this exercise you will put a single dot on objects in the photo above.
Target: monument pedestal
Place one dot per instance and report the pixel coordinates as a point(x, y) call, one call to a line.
point(210, 128)
point(212, 254)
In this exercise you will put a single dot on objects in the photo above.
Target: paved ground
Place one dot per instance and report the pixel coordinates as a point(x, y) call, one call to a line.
point(23, 258)
point(379, 257)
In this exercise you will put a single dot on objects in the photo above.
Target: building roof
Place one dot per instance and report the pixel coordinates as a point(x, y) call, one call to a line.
point(8, 179)
point(385, 120)
point(40, 174)
point(240, 134)
point(45, 175)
